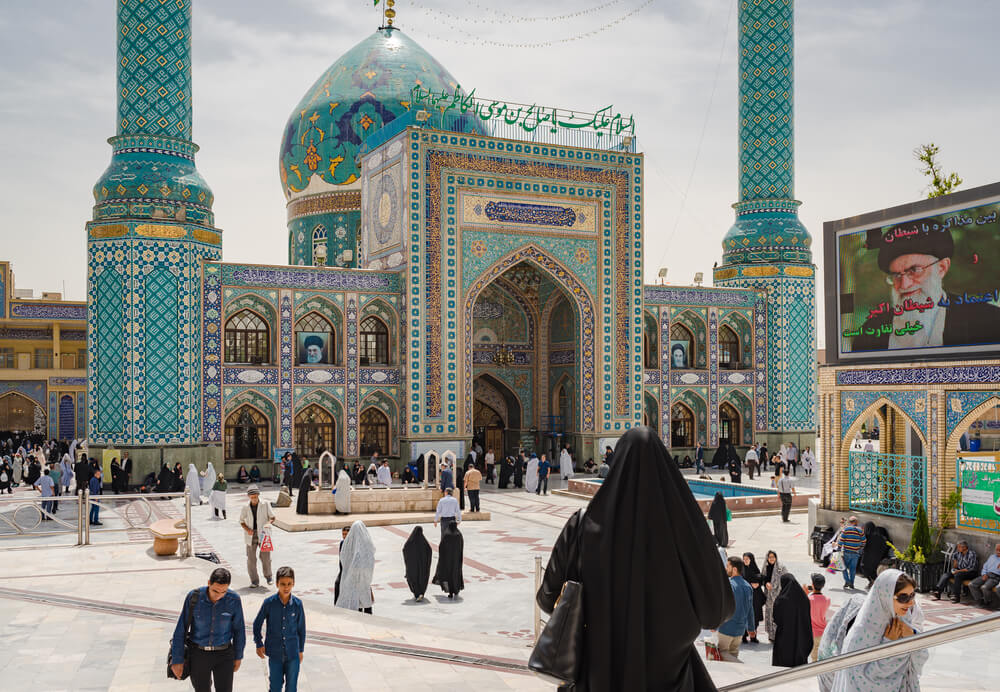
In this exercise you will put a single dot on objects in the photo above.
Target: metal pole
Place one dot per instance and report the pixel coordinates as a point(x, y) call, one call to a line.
point(80, 517)
point(188, 552)
point(538, 610)
point(86, 515)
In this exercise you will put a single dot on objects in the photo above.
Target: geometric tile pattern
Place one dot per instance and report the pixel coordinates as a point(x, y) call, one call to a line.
point(353, 410)
point(766, 92)
point(958, 405)
point(713, 373)
point(285, 349)
point(154, 67)
point(161, 320)
point(109, 394)
point(913, 404)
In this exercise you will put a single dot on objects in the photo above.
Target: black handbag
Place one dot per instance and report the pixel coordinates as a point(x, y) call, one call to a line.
point(192, 599)
point(556, 657)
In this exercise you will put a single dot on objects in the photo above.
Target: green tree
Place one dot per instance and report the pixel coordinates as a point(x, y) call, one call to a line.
point(920, 539)
point(940, 183)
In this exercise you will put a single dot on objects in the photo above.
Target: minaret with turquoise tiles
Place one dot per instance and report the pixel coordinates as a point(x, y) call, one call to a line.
point(152, 226)
point(767, 247)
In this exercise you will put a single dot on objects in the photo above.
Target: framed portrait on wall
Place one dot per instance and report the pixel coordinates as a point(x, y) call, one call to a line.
point(313, 348)
point(679, 354)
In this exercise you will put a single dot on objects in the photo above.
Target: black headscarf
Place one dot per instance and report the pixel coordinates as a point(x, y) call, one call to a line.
point(449, 569)
point(793, 640)
point(874, 551)
point(720, 457)
point(651, 574)
point(717, 513)
point(165, 481)
point(506, 470)
point(460, 482)
point(417, 559)
point(753, 576)
point(768, 572)
point(302, 504)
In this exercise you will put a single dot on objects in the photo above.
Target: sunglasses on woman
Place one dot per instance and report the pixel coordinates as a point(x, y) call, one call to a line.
point(905, 598)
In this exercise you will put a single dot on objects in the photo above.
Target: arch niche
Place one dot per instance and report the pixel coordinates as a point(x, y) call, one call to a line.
point(580, 298)
point(17, 412)
point(987, 413)
point(496, 415)
point(247, 436)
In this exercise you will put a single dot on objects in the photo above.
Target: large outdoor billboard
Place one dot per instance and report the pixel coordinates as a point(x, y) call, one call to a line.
point(917, 286)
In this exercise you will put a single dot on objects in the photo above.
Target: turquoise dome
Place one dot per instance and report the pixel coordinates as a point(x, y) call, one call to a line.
point(368, 87)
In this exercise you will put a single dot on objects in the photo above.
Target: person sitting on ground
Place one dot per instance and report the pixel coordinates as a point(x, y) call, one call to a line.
point(964, 566)
point(589, 466)
point(603, 470)
point(890, 612)
point(982, 586)
point(241, 475)
point(407, 476)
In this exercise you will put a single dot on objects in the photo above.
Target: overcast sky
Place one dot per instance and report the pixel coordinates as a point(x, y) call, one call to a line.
point(873, 81)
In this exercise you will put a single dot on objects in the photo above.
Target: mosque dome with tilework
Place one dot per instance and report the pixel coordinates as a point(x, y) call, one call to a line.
point(366, 88)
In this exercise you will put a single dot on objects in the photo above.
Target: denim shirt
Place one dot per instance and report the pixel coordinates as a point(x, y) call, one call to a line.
point(742, 619)
point(286, 627)
point(212, 624)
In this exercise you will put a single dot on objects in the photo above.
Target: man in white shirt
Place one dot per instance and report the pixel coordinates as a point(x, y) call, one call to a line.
point(384, 474)
point(490, 463)
point(448, 511)
point(751, 460)
point(254, 516)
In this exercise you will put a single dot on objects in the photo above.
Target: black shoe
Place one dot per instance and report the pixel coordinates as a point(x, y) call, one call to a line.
point(937, 595)
point(97, 523)
point(956, 600)
point(269, 581)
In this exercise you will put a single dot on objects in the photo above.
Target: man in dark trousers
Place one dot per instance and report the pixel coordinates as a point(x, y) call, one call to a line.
point(543, 476)
point(218, 634)
point(126, 471)
point(82, 471)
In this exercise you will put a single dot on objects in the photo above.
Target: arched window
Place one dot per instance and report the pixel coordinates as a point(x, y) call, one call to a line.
point(565, 408)
point(374, 432)
point(729, 348)
point(315, 432)
point(248, 339)
point(682, 352)
point(315, 340)
point(681, 426)
point(374, 342)
point(729, 424)
point(319, 246)
point(246, 434)
point(650, 337)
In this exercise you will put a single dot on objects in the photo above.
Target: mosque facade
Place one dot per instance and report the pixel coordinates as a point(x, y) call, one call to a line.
point(450, 277)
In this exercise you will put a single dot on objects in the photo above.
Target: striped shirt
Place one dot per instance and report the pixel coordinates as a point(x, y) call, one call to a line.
point(967, 561)
point(852, 539)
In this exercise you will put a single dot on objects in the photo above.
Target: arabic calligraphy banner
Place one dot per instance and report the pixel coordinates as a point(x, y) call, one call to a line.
point(922, 287)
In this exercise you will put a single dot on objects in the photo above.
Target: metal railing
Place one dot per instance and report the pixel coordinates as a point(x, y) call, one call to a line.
point(135, 512)
point(925, 640)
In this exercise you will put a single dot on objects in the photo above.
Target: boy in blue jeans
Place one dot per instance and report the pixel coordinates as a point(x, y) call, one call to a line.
point(286, 633)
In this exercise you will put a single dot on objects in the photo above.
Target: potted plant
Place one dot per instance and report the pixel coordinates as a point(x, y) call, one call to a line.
point(921, 559)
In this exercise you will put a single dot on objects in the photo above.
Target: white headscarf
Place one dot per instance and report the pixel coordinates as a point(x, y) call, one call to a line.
point(531, 478)
point(342, 499)
point(894, 674)
point(565, 464)
point(357, 557)
point(193, 484)
point(66, 466)
point(209, 480)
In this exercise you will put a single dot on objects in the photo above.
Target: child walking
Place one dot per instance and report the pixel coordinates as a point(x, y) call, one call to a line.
point(286, 633)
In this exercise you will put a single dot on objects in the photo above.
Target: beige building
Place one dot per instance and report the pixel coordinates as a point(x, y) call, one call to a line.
point(43, 361)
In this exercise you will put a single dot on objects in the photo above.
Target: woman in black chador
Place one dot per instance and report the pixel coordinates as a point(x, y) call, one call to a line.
point(717, 514)
point(651, 575)
point(417, 558)
point(449, 570)
point(302, 504)
point(793, 639)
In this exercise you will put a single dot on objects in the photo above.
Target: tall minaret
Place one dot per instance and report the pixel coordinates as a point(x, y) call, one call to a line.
point(767, 247)
point(152, 226)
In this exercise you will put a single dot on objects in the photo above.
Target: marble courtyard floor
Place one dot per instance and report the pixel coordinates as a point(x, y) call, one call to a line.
point(99, 617)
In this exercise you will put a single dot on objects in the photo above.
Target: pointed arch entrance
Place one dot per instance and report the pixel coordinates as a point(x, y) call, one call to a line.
point(315, 431)
point(496, 414)
point(17, 412)
point(526, 268)
point(247, 434)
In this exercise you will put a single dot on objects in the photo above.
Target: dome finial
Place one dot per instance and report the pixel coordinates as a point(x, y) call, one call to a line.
point(388, 12)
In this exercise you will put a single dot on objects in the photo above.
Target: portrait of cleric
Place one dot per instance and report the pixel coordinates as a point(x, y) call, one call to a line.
point(313, 348)
point(931, 283)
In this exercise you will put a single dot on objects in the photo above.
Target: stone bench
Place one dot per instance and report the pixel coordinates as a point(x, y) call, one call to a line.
point(166, 533)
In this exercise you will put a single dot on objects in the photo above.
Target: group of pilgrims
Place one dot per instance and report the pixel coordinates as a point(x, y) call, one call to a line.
point(353, 587)
point(24, 461)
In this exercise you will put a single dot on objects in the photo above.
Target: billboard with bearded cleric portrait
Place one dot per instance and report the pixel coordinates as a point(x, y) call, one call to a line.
point(918, 285)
